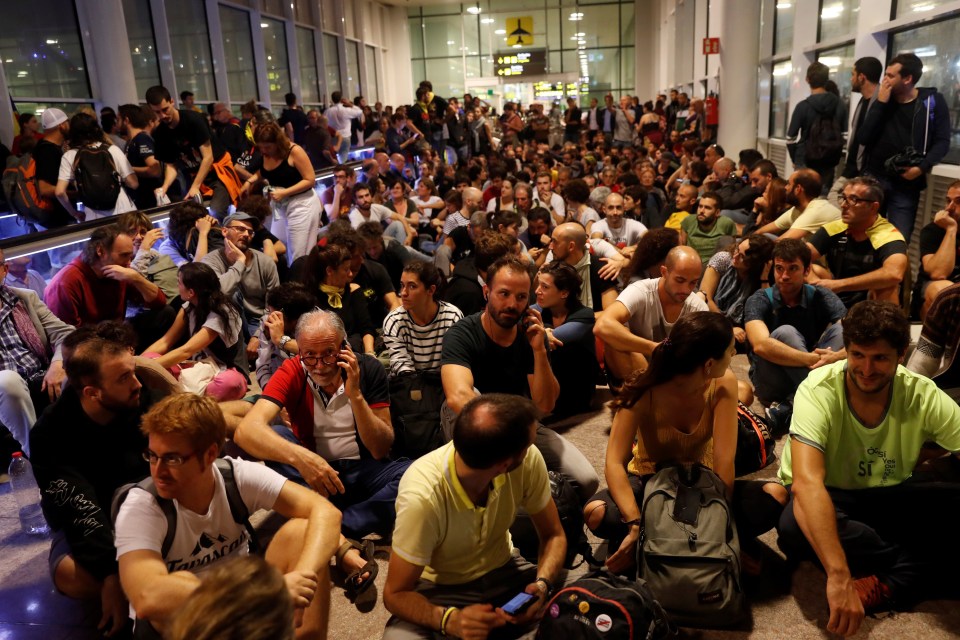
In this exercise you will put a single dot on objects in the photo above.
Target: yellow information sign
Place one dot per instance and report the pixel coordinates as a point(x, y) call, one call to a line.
point(520, 31)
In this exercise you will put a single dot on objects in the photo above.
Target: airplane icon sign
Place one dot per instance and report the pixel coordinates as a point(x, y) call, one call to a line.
point(520, 31)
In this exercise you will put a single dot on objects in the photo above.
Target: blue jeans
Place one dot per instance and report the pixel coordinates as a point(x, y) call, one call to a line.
point(739, 216)
point(370, 489)
point(776, 382)
point(900, 206)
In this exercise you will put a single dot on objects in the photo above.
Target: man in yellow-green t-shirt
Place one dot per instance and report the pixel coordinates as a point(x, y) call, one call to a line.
point(857, 431)
point(452, 566)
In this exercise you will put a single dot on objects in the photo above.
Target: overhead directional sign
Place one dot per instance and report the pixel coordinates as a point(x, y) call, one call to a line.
point(521, 63)
point(520, 31)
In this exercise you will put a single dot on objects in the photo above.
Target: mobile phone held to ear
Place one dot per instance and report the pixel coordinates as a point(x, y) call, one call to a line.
point(518, 604)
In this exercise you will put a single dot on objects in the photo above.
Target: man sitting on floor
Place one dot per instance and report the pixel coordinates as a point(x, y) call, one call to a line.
point(857, 431)
point(452, 560)
point(866, 254)
point(808, 211)
point(339, 410)
point(186, 432)
point(936, 353)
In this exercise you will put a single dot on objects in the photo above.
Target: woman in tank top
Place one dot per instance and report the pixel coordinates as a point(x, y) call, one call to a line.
point(682, 409)
point(289, 174)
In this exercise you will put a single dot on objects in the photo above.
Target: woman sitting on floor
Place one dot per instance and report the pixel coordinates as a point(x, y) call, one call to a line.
point(682, 409)
point(213, 330)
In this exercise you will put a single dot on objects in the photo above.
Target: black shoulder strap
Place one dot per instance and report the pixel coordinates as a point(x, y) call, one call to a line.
point(166, 506)
point(238, 509)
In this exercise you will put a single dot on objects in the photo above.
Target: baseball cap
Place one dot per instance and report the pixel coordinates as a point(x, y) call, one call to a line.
point(52, 117)
point(241, 216)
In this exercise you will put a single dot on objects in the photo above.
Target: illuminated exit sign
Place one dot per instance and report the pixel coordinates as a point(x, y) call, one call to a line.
point(521, 63)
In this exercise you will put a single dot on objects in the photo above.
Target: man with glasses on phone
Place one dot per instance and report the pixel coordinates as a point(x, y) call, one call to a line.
point(866, 255)
point(83, 448)
point(339, 408)
point(245, 273)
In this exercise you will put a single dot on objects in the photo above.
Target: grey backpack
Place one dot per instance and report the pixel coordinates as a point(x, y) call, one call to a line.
point(689, 550)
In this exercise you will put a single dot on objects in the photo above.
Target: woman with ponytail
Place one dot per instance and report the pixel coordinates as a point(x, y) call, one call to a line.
point(681, 409)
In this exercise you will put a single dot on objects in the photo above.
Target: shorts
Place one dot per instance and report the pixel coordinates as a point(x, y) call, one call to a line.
point(59, 549)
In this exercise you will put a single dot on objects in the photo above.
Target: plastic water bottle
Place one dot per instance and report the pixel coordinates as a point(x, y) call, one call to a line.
point(27, 495)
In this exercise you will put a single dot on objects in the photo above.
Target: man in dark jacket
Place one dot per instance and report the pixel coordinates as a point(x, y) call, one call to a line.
point(820, 105)
point(904, 119)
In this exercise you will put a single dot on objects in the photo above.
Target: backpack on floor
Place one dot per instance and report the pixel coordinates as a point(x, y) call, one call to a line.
point(755, 443)
point(689, 549)
point(524, 533)
point(415, 401)
point(604, 606)
point(96, 177)
point(238, 509)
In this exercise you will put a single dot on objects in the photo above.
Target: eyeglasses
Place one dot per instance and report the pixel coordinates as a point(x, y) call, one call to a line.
point(327, 359)
point(853, 201)
point(169, 459)
point(242, 230)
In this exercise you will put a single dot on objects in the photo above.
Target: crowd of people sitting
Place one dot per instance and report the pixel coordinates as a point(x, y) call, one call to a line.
point(392, 349)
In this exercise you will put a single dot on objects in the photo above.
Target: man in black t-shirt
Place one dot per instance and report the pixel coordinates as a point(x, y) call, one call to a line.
point(939, 247)
point(487, 352)
point(136, 122)
point(47, 155)
point(293, 119)
point(573, 122)
point(184, 138)
point(228, 131)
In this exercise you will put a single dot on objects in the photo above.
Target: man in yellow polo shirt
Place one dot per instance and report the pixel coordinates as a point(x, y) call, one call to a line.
point(452, 565)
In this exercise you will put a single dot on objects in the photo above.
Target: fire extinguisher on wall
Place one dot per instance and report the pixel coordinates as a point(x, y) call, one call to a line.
point(711, 108)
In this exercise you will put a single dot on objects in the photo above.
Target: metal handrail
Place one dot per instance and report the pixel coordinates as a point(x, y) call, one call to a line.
point(42, 241)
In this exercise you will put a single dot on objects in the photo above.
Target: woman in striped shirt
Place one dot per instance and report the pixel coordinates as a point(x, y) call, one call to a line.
point(414, 331)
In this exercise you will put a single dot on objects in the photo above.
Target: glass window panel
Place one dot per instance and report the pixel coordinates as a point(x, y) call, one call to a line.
point(413, 12)
point(472, 67)
point(603, 69)
point(486, 66)
point(349, 19)
point(936, 46)
point(599, 26)
point(69, 108)
point(554, 37)
point(553, 62)
point(42, 53)
point(328, 11)
point(373, 86)
point(419, 73)
point(190, 43)
point(309, 78)
point(628, 80)
point(331, 63)
point(446, 74)
point(780, 98)
point(471, 33)
point(626, 24)
point(303, 11)
point(352, 85)
point(441, 10)
point(783, 34)
point(838, 18)
point(143, 50)
point(840, 61)
point(273, 6)
point(278, 65)
point(917, 8)
point(238, 52)
point(442, 36)
point(570, 62)
point(416, 38)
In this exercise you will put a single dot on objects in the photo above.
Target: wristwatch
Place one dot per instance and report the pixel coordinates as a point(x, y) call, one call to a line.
point(547, 585)
point(283, 342)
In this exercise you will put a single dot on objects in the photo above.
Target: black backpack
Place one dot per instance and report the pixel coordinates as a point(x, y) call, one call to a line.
point(524, 533)
point(415, 402)
point(96, 177)
point(238, 509)
point(824, 140)
point(603, 606)
point(755, 443)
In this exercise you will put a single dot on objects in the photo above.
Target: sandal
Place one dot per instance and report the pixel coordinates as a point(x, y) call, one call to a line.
point(362, 592)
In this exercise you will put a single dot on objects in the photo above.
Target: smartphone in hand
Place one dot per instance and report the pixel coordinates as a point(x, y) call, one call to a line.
point(518, 604)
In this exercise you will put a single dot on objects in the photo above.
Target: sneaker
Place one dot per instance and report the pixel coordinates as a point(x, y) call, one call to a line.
point(778, 417)
point(874, 594)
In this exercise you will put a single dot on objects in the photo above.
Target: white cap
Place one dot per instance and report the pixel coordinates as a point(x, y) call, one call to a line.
point(51, 118)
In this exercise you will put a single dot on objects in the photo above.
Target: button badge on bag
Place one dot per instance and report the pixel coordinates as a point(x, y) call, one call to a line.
point(603, 623)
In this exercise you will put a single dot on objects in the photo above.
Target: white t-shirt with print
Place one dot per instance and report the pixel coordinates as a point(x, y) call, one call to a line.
point(203, 540)
point(627, 235)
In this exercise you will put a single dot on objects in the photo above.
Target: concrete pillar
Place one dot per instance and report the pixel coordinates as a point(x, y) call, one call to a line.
point(109, 62)
point(739, 59)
